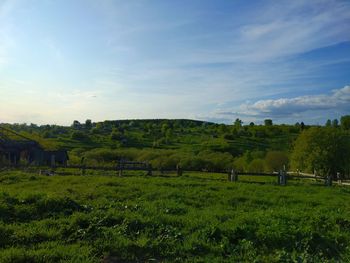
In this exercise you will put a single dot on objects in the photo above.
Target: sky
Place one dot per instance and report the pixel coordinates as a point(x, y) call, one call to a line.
point(195, 59)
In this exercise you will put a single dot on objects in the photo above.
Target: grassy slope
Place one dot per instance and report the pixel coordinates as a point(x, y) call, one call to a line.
point(199, 217)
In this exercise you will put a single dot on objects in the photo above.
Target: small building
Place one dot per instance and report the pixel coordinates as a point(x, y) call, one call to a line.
point(16, 148)
point(52, 158)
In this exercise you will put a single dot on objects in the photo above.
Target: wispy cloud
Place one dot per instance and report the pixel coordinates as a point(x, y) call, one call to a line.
point(279, 29)
point(237, 61)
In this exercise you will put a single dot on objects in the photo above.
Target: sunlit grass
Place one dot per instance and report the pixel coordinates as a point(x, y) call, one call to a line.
point(196, 217)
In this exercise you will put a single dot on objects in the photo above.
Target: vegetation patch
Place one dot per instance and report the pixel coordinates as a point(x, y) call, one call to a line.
point(171, 219)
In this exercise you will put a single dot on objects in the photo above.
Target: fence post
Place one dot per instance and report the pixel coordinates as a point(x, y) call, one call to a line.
point(233, 177)
point(82, 165)
point(282, 177)
point(339, 178)
point(53, 164)
point(53, 161)
point(329, 180)
point(315, 174)
point(121, 168)
point(149, 171)
point(178, 170)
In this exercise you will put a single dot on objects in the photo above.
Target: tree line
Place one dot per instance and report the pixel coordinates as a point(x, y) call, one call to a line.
point(204, 145)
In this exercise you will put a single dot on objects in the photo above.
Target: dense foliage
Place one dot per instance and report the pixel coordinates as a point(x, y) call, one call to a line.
point(164, 143)
point(326, 150)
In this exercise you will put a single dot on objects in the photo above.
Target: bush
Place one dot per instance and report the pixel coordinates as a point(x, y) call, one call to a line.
point(256, 166)
point(79, 136)
point(276, 160)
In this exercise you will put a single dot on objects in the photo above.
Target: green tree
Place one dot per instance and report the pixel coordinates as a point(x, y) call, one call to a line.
point(88, 124)
point(168, 135)
point(76, 125)
point(164, 128)
point(335, 123)
point(268, 122)
point(328, 123)
point(116, 135)
point(79, 136)
point(345, 122)
point(95, 131)
point(240, 164)
point(327, 150)
point(256, 166)
point(238, 123)
point(46, 134)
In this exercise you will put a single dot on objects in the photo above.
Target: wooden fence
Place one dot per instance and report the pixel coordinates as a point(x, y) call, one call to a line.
point(282, 176)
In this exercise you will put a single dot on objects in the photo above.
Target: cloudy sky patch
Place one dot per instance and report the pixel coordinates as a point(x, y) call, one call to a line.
point(337, 100)
point(65, 60)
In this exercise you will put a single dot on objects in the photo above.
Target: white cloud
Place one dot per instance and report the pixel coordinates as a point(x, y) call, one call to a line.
point(338, 100)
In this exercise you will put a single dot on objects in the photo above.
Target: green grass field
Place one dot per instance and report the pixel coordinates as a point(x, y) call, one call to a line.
point(199, 217)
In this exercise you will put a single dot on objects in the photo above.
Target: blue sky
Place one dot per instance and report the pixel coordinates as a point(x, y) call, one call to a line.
point(211, 60)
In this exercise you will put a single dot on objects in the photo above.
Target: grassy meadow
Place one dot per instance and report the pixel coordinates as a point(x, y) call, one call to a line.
point(199, 217)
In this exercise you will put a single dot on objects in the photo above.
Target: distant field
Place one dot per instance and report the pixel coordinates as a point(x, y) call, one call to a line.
point(199, 217)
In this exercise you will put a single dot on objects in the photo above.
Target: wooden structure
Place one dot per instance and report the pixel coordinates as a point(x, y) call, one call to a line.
point(52, 158)
point(15, 147)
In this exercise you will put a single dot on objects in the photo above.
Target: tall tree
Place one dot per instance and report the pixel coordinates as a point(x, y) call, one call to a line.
point(238, 123)
point(88, 124)
point(325, 149)
point(335, 123)
point(345, 122)
point(76, 124)
point(268, 122)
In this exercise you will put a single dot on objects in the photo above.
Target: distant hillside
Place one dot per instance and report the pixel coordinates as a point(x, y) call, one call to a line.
point(164, 134)
point(191, 144)
point(164, 142)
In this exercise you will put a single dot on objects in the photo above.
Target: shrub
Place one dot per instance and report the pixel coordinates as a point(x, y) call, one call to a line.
point(276, 160)
point(256, 166)
point(79, 136)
